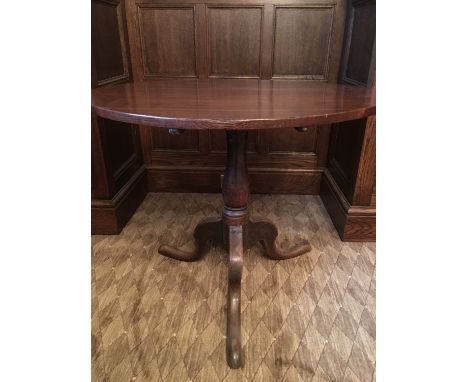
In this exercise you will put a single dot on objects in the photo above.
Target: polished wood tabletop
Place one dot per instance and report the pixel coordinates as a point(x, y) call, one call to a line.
point(237, 104)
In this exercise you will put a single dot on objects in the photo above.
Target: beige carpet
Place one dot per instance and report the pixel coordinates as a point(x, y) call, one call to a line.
point(311, 318)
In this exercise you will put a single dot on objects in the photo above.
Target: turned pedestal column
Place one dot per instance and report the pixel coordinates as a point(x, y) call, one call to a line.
point(236, 232)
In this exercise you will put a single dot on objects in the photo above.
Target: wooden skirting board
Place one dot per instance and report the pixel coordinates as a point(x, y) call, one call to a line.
point(262, 181)
point(108, 217)
point(353, 223)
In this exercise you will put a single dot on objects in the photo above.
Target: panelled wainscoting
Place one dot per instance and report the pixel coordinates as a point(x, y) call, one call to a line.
point(150, 39)
point(348, 186)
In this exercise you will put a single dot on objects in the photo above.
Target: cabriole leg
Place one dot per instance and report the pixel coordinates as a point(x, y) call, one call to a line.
point(236, 261)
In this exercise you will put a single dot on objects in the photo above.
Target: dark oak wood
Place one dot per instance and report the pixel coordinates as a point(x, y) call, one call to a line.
point(236, 262)
point(118, 178)
point(263, 181)
point(358, 62)
point(207, 230)
point(348, 188)
point(165, 53)
point(227, 104)
point(353, 223)
point(265, 231)
point(109, 43)
point(109, 216)
point(287, 150)
point(311, 29)
point(235, 40)
point(238, 106)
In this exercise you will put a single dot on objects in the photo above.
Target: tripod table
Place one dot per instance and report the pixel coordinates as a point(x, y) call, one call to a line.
point(236, 106)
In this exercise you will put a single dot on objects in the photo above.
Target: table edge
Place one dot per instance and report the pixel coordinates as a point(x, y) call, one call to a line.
point(238, 124)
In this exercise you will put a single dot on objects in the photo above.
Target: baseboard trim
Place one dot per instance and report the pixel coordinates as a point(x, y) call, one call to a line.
point(108, 217)
point(353, 223)
point(262, 181)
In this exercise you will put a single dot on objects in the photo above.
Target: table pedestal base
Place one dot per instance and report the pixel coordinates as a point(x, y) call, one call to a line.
point(236, 232)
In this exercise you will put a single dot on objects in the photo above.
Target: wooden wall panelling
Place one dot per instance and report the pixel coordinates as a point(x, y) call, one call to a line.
point(323, 139)
point(201, 31)
point(100, 187)
point(307, 41)
point(234, 39)
point(306, 45)
point(358, 65)
point(118, 182)
point(167, 40)
point(344, 152)
point(109, 42)
point(351, 206)
point(311, 29)
point(348, 186)
point(352, 160)
point(208, 179)
point(364, 186)
point(134, 39)
point(353, 223)
point(291, 140)
point(260, 39)
point(163, 140)
point(109, 216)
point(121, 146)
point(266, 60)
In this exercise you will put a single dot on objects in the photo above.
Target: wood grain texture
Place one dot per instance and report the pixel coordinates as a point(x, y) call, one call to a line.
point(353, 223)
point(234, 41)
point(346, 142)
point(280, 161)
point(167, 41)
point(236, 232)
point(115, 148)
point(173, 179)
point(109, 216)
point(229, 104)
point(365, 178)
point(245, 32)
point(286, 140)
point(310, 28)
point(109, 57)
point(100, 178)
point(163, 140)
point(358, 65)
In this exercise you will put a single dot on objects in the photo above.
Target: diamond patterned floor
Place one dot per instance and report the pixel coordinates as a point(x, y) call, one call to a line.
point(311, 318)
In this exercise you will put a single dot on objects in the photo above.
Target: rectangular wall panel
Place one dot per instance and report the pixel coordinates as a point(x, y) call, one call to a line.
point(109, 54)
point(234, 41)
point(168, 41)
point(359, 55)
point(302, 42)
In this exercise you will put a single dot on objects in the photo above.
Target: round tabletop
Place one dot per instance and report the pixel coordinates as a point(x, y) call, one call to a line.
point(232, 103)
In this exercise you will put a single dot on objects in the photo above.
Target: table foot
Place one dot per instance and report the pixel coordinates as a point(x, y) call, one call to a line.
point(234, 343)
point(265, 231)
point(207, 230)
